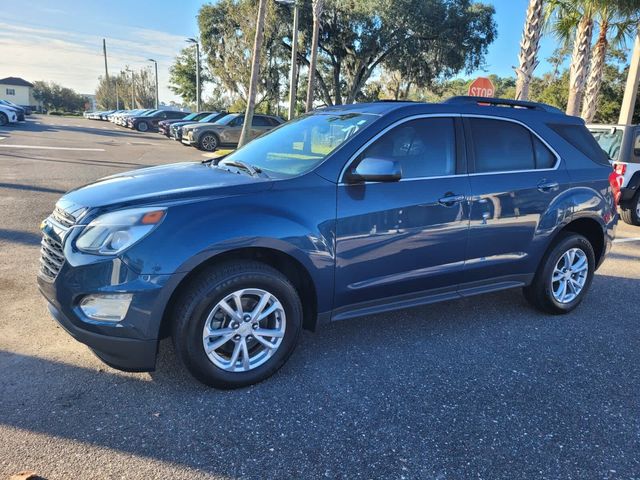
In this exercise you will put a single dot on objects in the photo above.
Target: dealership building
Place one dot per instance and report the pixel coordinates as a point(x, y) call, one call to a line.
point(18, 91)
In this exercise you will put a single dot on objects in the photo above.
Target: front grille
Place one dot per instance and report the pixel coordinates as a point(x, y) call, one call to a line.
point(51, 250)
point(51, 257)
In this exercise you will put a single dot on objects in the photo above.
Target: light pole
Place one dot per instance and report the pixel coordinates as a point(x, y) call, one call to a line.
point(293, 75)
point(156, 66)
point(195, 42)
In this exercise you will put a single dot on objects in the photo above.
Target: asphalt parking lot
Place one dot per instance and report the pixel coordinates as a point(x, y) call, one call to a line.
point(482, 388)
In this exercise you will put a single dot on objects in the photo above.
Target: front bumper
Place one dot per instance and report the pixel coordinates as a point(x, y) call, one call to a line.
point(188, 139)
point(130, 344)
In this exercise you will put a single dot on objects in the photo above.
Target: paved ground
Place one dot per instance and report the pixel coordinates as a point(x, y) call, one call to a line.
point(482, 388)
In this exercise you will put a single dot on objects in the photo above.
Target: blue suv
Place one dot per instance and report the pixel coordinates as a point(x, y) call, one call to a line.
point(348, 211)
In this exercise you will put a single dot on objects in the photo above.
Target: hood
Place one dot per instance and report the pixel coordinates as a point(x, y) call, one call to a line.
point(184, 123)
point(164, 183)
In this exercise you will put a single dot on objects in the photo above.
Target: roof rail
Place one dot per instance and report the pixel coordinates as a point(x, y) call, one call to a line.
point(463, 99)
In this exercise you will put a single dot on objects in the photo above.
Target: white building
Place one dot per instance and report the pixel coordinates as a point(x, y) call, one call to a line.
point(18, 91)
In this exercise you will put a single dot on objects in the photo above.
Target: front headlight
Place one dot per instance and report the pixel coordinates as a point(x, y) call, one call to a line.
point(111, 233)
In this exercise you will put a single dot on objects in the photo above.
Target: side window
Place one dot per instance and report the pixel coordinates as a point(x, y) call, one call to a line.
point(237, 122)
point(259, 121)
point(425, 147)
point(501, 146)
point(545, 158)
point(580, 138)
point(636, 144)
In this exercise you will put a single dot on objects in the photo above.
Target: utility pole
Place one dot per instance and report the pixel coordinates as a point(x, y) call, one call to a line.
point(195, 42)
point(156, 65)
point(317, 6)
point(106, 69)
point(631, 90)
point(117, 96)
point(133, 90)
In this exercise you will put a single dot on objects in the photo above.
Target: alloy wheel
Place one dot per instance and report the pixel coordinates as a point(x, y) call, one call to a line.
point(569, 275)
point(209, 143)
point(3, 120)
point(143, 127)
point(244, 330)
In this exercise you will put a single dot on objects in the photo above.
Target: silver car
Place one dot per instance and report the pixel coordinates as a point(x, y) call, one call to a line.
point(226, 131)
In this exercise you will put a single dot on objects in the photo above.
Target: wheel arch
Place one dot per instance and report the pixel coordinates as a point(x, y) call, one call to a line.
point(592, 230)
point(285, 263)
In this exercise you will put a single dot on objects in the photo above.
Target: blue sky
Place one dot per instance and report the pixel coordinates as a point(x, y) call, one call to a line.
point(62, 40)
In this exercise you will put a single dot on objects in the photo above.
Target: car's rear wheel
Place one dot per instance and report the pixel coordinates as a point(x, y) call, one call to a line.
point(143, 126)
point(564, 275)
point(3, 119)
point(209, 142)
point(236, 324)
point(631, 212)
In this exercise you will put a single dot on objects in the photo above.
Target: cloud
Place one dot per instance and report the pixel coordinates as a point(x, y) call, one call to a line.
point(75, 59)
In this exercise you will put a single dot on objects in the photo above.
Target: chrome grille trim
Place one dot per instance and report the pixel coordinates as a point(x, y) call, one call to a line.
point(51, 250)
point(63, 218)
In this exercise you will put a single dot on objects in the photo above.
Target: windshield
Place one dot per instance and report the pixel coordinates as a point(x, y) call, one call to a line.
point(191, 116)
point(300, 145)
point(610, 140)
point(209, 118)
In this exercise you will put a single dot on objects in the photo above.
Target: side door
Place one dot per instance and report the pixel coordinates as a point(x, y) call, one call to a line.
point(231, 133)
point(405, 238)
point(516, 179)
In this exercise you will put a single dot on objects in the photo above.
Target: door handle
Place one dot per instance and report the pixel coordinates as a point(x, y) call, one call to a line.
point(450, 199)
point(545, 186)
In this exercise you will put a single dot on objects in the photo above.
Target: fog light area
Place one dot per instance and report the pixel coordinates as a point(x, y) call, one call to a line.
point(106, 307)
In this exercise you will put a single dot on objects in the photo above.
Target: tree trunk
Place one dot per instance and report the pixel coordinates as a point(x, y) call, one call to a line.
point(579, 64)
point(245, 136)
point(631, 89)
point(317, 12)
point(529, 47)
point(595, 75)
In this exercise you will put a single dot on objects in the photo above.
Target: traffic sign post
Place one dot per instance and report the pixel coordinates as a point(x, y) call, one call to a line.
point(482, 87)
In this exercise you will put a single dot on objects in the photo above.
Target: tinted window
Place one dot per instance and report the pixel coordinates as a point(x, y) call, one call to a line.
point(424, 147)
point(175, 114)
point(580, 138)
point(545, 158)
point(501, 146)
point(260, 122)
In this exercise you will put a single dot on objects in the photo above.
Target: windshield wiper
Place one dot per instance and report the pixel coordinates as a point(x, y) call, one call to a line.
point(253, 171)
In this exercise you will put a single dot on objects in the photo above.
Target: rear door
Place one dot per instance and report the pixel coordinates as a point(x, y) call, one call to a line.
point(260, 125)
point(231, 133)
point(515, 177)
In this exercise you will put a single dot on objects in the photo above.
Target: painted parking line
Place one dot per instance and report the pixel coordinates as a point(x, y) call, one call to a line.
point(626, 240)
point(37, 147)
point(2, 138)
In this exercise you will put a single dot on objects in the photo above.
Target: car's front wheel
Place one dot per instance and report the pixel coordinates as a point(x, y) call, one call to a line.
point(630, 213)
point(208, 142)
point(3, 119)
point(143, 127)
point(236, 324)
point(564, 275)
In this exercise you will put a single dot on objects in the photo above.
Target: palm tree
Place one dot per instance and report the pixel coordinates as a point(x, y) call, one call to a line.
point(317, 12)
point(574, 19)
point(255, 72)
point(621, 19)
point(529, 47)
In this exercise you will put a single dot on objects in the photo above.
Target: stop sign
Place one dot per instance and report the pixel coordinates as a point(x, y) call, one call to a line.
point(481, 87)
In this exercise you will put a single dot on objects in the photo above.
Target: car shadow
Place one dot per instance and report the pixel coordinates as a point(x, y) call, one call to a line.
point(18, 236)
point(426, 390)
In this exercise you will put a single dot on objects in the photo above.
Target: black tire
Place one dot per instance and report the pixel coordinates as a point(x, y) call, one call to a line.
point(204, 292)
point(540, 292)
point(3, 119)
point(631, 215)
point(143, 127)
point(209, 142)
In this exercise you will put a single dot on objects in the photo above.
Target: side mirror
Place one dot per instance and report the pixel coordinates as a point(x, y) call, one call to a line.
point(372, 169)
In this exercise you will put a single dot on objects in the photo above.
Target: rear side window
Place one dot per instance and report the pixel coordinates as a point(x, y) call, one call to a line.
point(260, 122)
point(544, 157)
point(580, 138)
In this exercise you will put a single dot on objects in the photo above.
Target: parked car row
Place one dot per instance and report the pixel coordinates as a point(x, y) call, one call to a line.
point(209, 131)
point(142, 119)
point(12, 113)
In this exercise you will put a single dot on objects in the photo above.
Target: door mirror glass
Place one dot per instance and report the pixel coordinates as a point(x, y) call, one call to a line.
point(374, 169)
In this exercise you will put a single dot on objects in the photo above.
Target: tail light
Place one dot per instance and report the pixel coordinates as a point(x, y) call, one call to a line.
point(616, 180)
point(620, 168)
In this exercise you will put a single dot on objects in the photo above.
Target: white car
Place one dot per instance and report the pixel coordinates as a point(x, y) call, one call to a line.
point(622, 144)
point(7, 115)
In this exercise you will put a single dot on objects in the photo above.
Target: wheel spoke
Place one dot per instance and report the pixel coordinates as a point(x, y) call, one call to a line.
point(230, 311)
point(562, 290)
point(245, 354)
point(267, 332)
point(237, 298)
point(557, 275)
point(274, 306)
point(234, 356)
point(264, 299)
point(219, 342)
point(264, 342)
